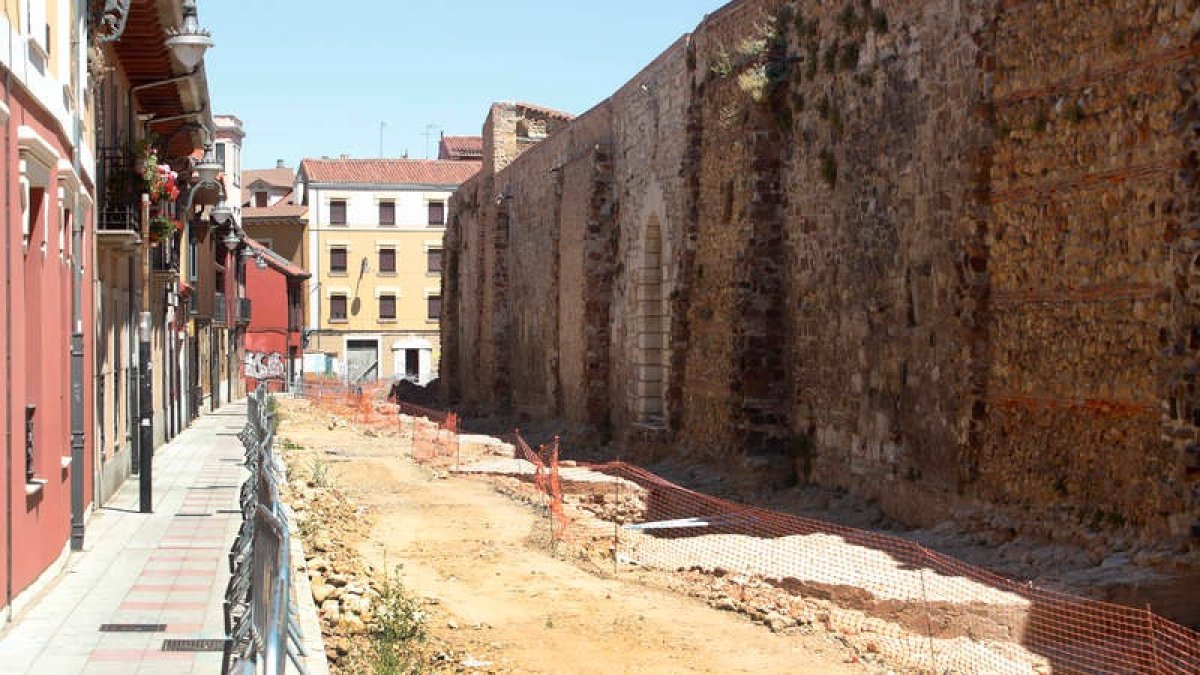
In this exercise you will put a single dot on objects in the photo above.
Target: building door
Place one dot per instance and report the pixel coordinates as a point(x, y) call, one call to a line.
point(412, 364)
point(362, 360)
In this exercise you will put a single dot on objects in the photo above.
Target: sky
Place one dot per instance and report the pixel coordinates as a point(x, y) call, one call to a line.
point(311, 78)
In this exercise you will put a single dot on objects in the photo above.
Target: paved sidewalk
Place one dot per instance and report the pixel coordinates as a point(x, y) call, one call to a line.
point(169, 567)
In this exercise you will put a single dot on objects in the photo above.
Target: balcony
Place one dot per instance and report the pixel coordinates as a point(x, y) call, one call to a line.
point(220, 317)
point(120, 187)
point(164, 258)
point(243, 310)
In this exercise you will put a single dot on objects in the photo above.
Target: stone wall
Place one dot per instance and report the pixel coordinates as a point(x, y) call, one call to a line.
point(941, 254)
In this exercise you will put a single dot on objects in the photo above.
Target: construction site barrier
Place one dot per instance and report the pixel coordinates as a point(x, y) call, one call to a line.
point(261, 626)
point(919, 608)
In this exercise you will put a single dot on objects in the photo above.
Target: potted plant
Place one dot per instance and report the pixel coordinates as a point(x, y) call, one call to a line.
point(161, 227)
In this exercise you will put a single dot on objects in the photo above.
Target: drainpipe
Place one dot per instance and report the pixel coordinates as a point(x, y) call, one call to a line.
point(77, 432)
point(8, 329)
point(131, 409)
point(145, 379)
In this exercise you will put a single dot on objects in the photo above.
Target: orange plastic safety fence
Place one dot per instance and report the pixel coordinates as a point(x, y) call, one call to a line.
point(1012, 626)
point(924, 609)
point(434, 433)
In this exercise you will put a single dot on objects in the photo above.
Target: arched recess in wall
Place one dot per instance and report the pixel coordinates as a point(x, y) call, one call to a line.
point(653, 329)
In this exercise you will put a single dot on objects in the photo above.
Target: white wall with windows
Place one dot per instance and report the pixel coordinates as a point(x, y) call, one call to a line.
point(411, 209)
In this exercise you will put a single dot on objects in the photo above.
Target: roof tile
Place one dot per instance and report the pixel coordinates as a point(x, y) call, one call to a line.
point(389, 171)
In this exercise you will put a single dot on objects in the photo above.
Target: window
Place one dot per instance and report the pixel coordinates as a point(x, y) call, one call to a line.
point(33, 214)
point(437, 214)
point(260, 198)
point(435, 307)
point(337, 212)
point(220, 149)
point(337, 260)
point(387, 308)
point(337, 308)
point(387, 261)
point(192, 266)
point(387, 213)
point(434, 259)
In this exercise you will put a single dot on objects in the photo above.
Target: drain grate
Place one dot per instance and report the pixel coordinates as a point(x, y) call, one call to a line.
point(196, 515)
point(196, 645)
point(228, 511)
point(132, 627)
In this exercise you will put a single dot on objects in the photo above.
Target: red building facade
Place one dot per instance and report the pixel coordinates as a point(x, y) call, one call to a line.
point(46, 267)
point(273, 340)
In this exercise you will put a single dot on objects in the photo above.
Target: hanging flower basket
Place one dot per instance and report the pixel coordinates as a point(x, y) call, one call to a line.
point(161, 227)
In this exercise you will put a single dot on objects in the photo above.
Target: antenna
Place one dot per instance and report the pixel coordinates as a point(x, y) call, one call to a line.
point(429, 132)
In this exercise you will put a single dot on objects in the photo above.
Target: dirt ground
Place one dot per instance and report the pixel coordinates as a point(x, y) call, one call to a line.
point(499, 601)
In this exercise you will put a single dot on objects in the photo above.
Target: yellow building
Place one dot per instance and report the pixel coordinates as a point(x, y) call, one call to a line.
point(375, 254)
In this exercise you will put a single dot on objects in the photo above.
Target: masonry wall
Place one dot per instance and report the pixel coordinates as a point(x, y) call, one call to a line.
point(938, 253)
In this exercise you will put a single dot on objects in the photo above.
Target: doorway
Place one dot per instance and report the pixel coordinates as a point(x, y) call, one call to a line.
point(362, 360)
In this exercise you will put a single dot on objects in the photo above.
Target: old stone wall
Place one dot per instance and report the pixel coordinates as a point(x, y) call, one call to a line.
point(1089, 406)
point(939, 253)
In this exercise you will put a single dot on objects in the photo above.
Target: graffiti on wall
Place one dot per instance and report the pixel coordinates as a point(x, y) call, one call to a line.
point(264, 365)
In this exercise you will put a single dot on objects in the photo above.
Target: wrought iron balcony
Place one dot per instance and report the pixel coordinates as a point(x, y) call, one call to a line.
point(119, 186)
point(164, 258)
point(243, 310)
point(220, 317)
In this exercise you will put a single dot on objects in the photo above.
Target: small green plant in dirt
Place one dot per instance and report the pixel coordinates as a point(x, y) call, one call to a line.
point(319, 473)
point(396, 639)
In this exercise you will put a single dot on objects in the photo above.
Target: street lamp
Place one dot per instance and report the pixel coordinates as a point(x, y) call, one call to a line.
point(189, 42)
point(221, 214)
point(231, 240)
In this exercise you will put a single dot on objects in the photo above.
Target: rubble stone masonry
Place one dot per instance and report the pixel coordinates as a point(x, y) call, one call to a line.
point(944, 254)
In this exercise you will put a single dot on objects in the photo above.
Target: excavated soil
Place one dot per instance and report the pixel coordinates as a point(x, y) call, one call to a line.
point(476, 551)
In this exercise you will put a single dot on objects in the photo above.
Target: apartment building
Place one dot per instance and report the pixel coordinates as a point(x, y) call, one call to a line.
point(375, 229)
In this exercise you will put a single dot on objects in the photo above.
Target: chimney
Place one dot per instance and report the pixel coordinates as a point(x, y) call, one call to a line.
point(345, 156)
point(279, 164)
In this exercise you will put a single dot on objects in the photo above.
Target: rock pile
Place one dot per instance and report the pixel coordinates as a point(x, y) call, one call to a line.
point(876, 640)
point(622, 502)
point(342, 584)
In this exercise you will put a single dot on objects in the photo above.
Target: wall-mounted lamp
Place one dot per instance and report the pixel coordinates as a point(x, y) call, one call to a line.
point(221, 214)
point(208, 167)
point(260, 262)
point(231, 240)
point(189, 42)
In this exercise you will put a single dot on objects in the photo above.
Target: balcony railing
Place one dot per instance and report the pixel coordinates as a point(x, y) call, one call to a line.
point(119, 186)
point(220, 317)
point(165, 258)
point(243, 310)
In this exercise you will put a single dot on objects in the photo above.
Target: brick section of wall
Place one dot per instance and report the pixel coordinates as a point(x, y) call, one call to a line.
point(941, 254)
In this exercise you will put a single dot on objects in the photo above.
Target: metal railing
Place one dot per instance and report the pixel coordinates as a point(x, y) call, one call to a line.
point(261, 625)
point(165, 257)
point(119, 189)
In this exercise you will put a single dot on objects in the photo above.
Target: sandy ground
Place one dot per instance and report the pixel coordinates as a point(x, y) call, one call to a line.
point(495, 592)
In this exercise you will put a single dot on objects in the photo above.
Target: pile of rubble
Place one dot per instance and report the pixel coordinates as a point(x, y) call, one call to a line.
point(343, 586)
point(876, 640)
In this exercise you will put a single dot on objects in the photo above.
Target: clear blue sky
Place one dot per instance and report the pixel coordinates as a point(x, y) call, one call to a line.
point(315, 78)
